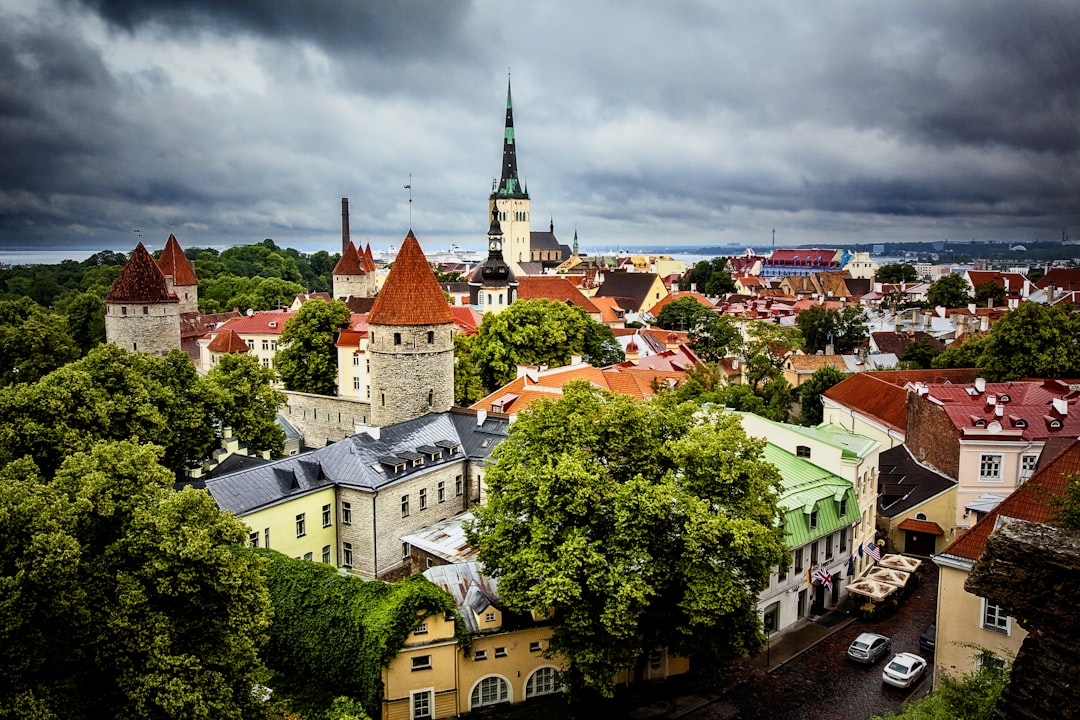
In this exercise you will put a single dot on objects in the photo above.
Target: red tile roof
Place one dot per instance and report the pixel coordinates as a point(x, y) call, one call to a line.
point(411, 295)
point(1030, 501)
point(466, 319)
point(174, 262)
point(882, 395)
point(367, 259)
point(921, 526)
point(1061, 278)
point(141, 280)
point(227, 341)
point(260, 323)
point(1029, 408)
point(554, 287)
point(350, 263)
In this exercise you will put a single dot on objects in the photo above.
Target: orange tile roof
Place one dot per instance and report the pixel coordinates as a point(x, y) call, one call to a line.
point(174, 262)
point(466, 319)
point(367, 259)
point(141, 280)
point(1030, 501)
point(811, 363)
point(655, 309)
point(411, 295)
point(350, 263)
point(227, 341)
point(609, 309)
point(554, 287)
point(921, 526)
point(873, 397)
point(260, 323)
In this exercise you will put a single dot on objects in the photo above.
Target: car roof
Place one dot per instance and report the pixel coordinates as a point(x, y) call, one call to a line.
point(907, 658)
point(866, 637)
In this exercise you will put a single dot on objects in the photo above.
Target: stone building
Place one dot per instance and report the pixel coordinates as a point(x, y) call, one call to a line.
point(142, 313)
point(410, 342)
point(179, 276)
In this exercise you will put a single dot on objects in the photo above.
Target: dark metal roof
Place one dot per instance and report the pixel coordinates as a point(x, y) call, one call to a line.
point(906, 483)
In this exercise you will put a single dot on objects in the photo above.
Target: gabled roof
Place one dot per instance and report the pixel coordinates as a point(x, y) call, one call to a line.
point(174, 262)
point(270, 322)
point(554, 287)
point(655, 309)
point(141, 280)
point(411, 295)
point(630, 285)
point(466, 319)
point(1025, 406)
point(1061, 278)
point(610, 309)
point(350, 263)
point(905, 482)
point(881, 395)
point(806, 488)
point(227, 341)
point(1030, 501)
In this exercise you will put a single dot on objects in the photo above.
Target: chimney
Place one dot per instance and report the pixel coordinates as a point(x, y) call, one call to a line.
point(345, 239)
point(999, 411)
point(1061, 406)
point(481, 417)
point(576, 359)
point(980, 385)
point(373, 431)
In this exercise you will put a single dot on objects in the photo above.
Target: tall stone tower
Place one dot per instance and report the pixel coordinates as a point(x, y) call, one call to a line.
point(351, 278)
point(179, 276)
point(410, 342)
point(141, 313)
point(492, 286)
point(511, 199)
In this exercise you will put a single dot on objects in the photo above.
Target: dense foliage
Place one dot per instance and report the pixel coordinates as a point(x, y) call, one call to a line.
point(35, 342)
point(971, 698)
point(112, 394)
point(684, 313)
point(122, 598)
point(532, 332)
point(336, 632)
point(638, 525)
point(306, 358)
point(897, 273)
point(949, 291)
point(709, 277)
point(843, 329)
point(811, 390)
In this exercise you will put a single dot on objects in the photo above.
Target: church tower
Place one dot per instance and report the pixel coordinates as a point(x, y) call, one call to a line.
point(179, 276)
point(410, 342)
point(492, 286)
point(141, 313)
point(511, 199)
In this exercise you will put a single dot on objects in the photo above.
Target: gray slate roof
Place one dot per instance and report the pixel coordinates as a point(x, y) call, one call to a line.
point(905, 482)
point(362, 462)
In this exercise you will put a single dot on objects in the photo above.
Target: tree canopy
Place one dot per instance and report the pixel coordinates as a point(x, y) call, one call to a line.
point(534, 332)
point(35, 342)
point(950, 291)
point(711, 277)
point(990, 290)
point(844, 329)
point(306, 358)
point(638, 525)
point(810, 393)
point(897, 273)
point(122, 598)
point(715, 337)
point(683, 313)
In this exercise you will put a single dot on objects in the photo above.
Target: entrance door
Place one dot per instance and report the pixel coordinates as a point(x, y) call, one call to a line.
point(916, 543)
point(818, 605)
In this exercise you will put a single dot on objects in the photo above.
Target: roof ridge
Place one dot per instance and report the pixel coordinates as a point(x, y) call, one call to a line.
point(141, 280)
point(174, 262)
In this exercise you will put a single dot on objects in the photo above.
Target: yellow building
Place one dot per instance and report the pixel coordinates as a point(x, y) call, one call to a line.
point(303, 527)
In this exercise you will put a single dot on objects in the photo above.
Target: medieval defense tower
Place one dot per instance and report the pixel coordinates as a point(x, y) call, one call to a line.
point(141, 313)
point(179, 276)
point(410, 342)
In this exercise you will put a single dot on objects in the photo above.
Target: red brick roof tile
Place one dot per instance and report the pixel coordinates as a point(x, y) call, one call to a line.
point(174, 262)
point(925, 527)
point(141, 280)
point(367, 259)
point(227, 341)
point(554, 287)
point(350, 263)
point(411, 295)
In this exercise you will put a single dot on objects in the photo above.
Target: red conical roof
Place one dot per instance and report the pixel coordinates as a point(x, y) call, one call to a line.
point(411, 295)
point(368, 259)
point(174, 262)
point(141, 280)
point(227, 341)
point(349, 264)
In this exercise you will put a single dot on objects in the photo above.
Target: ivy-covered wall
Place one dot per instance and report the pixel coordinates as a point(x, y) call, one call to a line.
point(340, 630)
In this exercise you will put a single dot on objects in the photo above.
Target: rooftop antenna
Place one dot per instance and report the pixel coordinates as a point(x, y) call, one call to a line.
point(774, 237)
point(409, 188)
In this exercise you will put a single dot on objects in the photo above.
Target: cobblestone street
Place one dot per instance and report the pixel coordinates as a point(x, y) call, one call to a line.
point(818, 684)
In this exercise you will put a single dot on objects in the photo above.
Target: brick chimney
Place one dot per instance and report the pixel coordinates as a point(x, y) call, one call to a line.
point(345, 239)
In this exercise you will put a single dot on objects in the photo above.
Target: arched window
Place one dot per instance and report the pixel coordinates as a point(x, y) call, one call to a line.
point(490, 691)
point(920, 516)
point(542, 682)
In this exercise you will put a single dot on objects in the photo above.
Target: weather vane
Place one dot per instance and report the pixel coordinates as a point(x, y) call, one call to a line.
point(409, 188)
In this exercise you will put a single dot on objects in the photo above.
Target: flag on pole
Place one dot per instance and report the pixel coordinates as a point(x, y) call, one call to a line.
point(860, 551)
point(851, 566)
point(826, 579)
point(872, 551)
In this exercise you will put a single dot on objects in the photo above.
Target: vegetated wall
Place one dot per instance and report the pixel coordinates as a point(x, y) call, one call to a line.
point(932, 438)
point(322, 419)
point(1033, 572)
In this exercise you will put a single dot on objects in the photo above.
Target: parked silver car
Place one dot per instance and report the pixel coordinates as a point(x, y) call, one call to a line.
point(903, 670)
point(869, 648)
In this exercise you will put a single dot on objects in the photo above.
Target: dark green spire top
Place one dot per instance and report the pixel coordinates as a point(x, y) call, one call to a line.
point(509, 186)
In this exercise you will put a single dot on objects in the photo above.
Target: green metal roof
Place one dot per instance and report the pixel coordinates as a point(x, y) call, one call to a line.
point(852, 445)
point(806, 488)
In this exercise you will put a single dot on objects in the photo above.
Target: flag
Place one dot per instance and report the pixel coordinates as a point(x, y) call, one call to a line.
point(809, 581)
point(860, 551)
point(872, 551)
point(823, 575)
point(851, 566)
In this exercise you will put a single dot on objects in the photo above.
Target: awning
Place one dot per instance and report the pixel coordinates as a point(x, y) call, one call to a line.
point(889, 576)
point(925, 527)
point(872, 589)
point(900, 562)
point(984, 503)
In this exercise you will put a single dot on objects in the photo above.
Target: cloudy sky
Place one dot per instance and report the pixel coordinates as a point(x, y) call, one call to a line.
point(638, 123)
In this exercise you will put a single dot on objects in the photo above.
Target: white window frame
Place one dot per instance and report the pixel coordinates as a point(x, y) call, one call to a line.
point(988, 462)
point(551, 681)
point(301, 525)
point(326, 516)
point(1028, 462)
point(504, 692)
point(421, 662)
point(429, 694)
point(993, 622)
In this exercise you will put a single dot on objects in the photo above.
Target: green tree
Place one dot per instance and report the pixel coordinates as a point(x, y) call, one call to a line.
point(844, 329)
point(636, 525)
point(950, 291)
point(920, 354)
point(1033, 340)
point(897, 273)
point(766, 349)
point(965, 354)
point(468, 387)
point(599, 346)
point(243, 398)
point(711, 277)
point(35, 342)
point(1067, 505)
point(122, 598)
point(990, 290)
point(85, 312)
point(683, 313)
point(811, 390)
point(533, 332)
point(715, 338)
point(307, 358)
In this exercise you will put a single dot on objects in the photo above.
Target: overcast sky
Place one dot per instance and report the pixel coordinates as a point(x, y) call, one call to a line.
point(638, 123)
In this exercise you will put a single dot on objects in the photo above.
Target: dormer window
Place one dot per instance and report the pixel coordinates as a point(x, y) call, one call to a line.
point(813, 519)
point(981, 422)
point(843, 507)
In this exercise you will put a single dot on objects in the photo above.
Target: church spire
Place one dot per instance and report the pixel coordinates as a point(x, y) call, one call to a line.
point(509, 185)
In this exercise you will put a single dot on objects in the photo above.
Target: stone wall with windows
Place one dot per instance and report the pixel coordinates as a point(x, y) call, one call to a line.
point(322, 419)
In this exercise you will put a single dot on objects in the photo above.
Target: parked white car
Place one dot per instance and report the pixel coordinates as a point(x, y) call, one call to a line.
point(869, 648)
point(903, 670)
